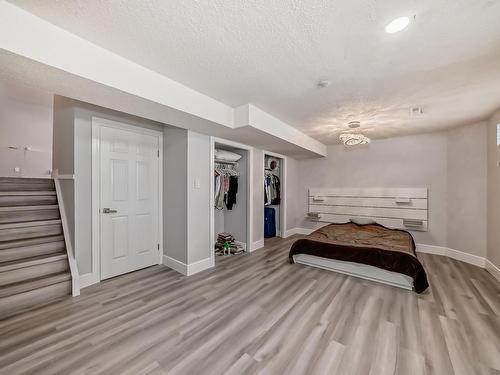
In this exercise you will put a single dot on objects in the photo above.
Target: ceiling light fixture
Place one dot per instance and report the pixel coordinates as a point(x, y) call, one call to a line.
point(352, 139)
point(397, 25)
point(354, 124)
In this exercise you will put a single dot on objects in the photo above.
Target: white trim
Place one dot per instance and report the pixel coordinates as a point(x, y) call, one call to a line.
point(284, 180)
point(97, 123)
point(211, 199)
point(187, 269)
point(494, 270)
point(96, 183)
point(466, 257)
point(75, 279)
point(199, 266)
point(125, 126)
point(55, 174)
point(175, 264)
point(250, 187)
point(452, 253)
point(88, 279)
point(257, 245)
point(297, 230)
point(289, 232)
point(431, 249)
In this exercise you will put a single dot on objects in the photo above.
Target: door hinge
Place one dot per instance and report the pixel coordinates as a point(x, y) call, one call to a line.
point(158, 247)
point(158, 152)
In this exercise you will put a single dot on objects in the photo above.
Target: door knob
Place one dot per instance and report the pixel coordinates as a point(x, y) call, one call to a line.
point(107, 210)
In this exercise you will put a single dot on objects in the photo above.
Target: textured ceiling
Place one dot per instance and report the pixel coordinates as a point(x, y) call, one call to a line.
point(271, 53)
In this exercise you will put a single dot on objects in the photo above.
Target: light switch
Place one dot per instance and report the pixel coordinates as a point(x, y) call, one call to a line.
point(17, 169)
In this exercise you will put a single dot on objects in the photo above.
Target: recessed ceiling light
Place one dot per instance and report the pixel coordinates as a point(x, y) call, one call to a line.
point(397, 25)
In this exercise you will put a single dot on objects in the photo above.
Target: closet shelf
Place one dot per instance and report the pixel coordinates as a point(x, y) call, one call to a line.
point(226, 162)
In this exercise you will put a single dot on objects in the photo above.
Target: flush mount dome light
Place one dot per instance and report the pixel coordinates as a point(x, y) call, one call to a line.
point(397, 25)
point(352, 139)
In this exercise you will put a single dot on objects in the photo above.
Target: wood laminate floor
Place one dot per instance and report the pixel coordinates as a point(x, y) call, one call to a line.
point(257, 314)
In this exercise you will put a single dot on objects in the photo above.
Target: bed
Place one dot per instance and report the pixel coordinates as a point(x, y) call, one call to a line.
point(369, 251)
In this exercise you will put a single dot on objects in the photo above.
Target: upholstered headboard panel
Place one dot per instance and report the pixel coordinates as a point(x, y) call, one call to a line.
point(401, 208)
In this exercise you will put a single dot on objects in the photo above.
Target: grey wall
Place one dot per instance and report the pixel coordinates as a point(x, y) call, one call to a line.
point(258, 195)
point(72, 154)
point(451, 164)
point(198, 198)
point(175, 193)
point(415, 161)
point(25, 120)
point(467, 181)
point(292, 193)
point(493, 243)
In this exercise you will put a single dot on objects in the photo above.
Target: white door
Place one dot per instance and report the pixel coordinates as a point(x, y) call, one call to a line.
point(128, 201)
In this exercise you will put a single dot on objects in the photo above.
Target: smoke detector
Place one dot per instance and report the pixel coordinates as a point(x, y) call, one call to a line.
point(322, 83)
point(354, 124)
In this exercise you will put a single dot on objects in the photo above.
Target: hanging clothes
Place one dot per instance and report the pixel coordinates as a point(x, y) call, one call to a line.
point(219, 194)
point(231, 193)
point(225, 185)
point(272, 194)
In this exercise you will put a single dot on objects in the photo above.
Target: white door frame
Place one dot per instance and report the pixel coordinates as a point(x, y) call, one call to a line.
point(283, 177)
point(97, 124)
point(250, 150)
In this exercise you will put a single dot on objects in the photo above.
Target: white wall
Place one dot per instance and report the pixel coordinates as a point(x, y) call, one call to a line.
point(450, 164)
point(25, 121)
point(493, 243)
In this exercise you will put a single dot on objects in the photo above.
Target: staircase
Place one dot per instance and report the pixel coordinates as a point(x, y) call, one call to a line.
point(34, 267)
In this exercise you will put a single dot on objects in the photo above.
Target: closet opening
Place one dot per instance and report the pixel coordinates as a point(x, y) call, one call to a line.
point(274, 207)
point(231, 196)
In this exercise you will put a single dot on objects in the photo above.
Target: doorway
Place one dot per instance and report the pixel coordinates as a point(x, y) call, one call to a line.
point(274, 195)
point(231, 197)
point(127, 180)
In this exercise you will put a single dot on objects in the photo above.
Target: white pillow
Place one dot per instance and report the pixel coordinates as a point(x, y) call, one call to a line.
point(362, 220)
point(226, 155)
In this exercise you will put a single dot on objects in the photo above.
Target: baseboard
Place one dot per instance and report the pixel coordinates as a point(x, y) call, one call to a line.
point(467, 258)
point(187, 269)
point(242, 244)
point(301, 231)
point(88, 279)
point(431, 249)
point(175, 265)
point(257, 245)
point(199, 266)
point(289, 232)
point(494, 270)
point(452, 253)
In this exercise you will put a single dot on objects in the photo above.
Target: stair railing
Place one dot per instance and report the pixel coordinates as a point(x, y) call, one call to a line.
point(75, 278)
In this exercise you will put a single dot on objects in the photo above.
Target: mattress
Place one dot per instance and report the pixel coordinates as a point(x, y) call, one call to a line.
point(371, 244)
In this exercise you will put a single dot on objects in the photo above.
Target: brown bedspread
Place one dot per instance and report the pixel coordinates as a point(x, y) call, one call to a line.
point(371, 244)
